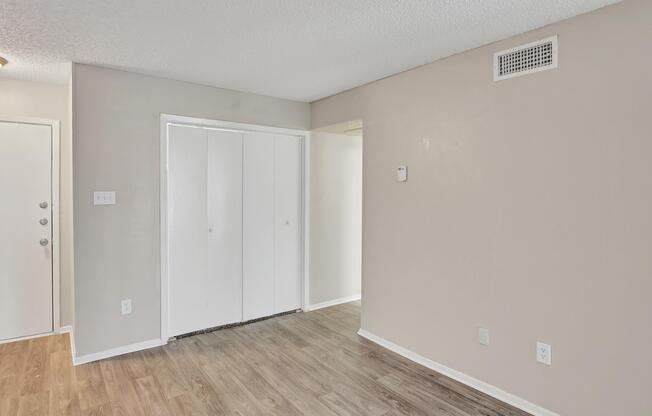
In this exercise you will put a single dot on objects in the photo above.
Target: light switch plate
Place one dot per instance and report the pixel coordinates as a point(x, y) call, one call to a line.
point(126, 306)
point(104, 198)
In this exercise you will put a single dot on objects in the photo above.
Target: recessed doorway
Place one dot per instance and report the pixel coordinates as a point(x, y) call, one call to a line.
point(336, 214)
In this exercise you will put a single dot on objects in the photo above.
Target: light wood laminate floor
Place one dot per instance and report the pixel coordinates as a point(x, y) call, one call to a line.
point(301, 364)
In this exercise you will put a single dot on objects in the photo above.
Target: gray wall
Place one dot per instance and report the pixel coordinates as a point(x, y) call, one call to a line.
point(116, 147)
point(335, 216)
point(41, 100)
point(529, 213)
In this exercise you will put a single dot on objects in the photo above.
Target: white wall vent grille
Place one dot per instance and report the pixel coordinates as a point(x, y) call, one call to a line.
point(526, 59)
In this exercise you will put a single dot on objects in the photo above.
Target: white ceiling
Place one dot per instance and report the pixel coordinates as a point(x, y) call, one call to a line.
point(297, 49)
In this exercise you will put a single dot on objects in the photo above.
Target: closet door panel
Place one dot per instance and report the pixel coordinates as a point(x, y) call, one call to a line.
point(258, 226)
point(287, 211)
point(187, 180)
point(224, 288)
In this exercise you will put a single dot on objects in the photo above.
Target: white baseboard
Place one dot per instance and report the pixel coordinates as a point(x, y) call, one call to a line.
point(125, 349)
point(332, 303)
point(61, 330)
point(45, 334)
point(67, 329)
point(485, 388)
point(71, 336)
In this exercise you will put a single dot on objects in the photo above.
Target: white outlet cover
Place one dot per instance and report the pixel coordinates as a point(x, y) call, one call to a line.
point(126, 306)
point(544, 353)
point(483, 336)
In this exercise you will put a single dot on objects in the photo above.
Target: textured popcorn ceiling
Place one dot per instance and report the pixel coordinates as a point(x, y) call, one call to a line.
point(297, 49)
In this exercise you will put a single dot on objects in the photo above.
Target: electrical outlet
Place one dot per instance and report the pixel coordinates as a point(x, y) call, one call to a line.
point(126, 306)
point(483, 336)
point(544, 353)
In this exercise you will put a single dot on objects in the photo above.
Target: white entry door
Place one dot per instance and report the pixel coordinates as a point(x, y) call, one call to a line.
point(26, 236)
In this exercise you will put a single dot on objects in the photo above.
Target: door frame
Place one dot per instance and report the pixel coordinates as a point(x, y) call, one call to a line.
point(55, 126)
point(170, 119)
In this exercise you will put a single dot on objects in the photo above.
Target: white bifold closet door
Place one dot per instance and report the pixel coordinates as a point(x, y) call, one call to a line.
point(271, 227)
point(287, 223)
point(205, 228)
point(258, 227)
point(234, 227)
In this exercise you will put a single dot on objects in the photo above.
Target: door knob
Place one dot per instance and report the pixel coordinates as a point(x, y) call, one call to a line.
point(43, 205)
point(44, 242)
point(43, 221)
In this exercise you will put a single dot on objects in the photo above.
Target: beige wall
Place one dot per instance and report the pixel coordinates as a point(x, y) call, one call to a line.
point(40, 100)
point(529, 213)
point(116, 138)
point(335, 216)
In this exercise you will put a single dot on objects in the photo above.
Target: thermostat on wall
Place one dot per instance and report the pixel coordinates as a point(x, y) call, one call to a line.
point(401, 173)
